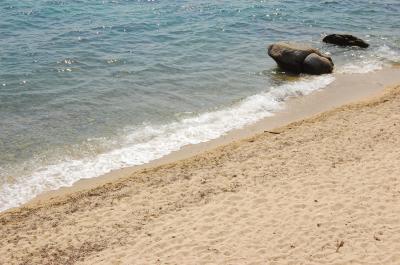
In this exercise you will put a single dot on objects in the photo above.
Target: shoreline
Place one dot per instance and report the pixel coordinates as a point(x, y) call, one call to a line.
point(320, 190)
point(338, 93)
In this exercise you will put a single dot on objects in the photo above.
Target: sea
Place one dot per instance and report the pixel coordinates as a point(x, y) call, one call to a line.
point(91, 86)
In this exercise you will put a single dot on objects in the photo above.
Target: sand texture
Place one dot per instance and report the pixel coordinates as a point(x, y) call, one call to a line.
point(324, 190)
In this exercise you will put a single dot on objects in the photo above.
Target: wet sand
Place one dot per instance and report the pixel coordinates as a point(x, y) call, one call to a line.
point(319, 190)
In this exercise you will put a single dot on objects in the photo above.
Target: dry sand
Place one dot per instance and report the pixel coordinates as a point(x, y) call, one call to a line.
point(324, 190)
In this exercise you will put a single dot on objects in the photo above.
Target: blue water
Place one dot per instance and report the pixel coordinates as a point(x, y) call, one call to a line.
point(91, 86)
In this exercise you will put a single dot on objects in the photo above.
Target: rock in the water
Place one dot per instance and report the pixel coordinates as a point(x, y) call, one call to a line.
point(291, 57)
point(345, 40)
point(317, 65)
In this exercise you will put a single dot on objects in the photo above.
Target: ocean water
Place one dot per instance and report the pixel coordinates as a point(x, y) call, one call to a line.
point(87, 87)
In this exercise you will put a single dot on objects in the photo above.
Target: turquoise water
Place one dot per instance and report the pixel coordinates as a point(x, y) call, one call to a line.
point(91, 86)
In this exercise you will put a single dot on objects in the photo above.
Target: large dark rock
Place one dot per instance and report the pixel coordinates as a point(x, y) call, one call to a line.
point(291, 57)
point(345, 40)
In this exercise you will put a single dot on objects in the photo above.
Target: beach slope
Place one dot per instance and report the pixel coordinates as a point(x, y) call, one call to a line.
point(324, 190)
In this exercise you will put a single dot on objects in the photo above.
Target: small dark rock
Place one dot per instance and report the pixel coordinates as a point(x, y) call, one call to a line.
point(377, 238)
point(345, 40)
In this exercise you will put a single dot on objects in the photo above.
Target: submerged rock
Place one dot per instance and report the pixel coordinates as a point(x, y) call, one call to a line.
point(291, 57)
point(345, 40)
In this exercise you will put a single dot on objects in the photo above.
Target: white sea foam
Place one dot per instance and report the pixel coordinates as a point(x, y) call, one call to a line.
point(375, 60)
point(386, 53)
point(361, 67)
point(151, 142)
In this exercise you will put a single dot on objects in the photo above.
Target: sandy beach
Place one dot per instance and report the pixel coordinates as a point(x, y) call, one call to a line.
point(319, 190)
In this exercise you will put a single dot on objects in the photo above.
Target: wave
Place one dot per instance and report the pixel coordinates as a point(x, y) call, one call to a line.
point(376, 60)
point(361, 67)
point(151, 142)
